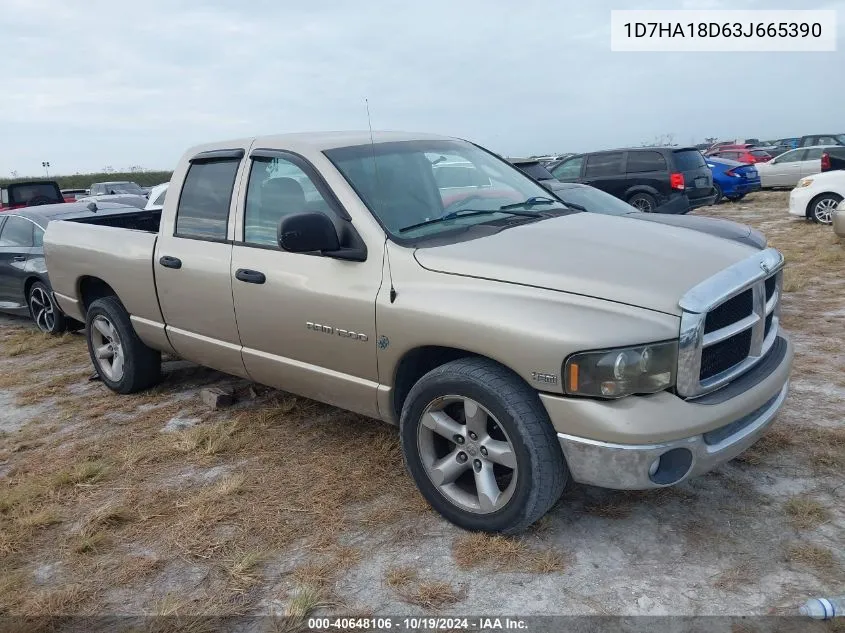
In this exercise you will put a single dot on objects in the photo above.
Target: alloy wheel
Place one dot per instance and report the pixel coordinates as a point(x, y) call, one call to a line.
point(42, 309)
point(467, 454)
point(107, 348)
point(824, 209)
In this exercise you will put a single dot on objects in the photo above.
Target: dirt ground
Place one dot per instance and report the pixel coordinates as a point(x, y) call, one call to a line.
point(154, 504)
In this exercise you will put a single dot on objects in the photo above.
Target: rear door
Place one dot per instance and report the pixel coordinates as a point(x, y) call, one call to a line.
point(648, 168)
point(811, 163)
point(192, 263)
point(785, 170)
point(698, 179)
point(606, 171)
point(16, 241)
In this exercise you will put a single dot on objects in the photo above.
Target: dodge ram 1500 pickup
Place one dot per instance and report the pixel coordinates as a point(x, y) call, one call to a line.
point(517, 343)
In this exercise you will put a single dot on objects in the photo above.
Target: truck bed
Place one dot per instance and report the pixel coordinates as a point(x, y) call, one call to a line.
point(117, 249)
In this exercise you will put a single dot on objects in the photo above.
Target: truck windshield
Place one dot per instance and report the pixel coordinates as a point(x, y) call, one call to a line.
point(408, 183)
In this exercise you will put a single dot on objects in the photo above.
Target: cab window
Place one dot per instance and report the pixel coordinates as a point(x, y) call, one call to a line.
point(203, 210)
point(277, 188)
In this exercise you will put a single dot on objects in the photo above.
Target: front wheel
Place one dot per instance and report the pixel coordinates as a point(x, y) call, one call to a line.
point(121, 359)
point(44, 310)
point(481, 448)
point(821, 207)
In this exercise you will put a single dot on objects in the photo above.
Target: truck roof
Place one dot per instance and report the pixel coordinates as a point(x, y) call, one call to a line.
point(319, 141)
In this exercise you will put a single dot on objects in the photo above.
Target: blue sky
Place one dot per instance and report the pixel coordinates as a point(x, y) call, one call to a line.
point(97, 83)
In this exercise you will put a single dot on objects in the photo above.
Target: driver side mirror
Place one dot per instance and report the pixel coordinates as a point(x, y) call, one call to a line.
point(307, 233)
point(315, 232)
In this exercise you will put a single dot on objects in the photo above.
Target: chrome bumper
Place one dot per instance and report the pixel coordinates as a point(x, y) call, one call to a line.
point(636, 467)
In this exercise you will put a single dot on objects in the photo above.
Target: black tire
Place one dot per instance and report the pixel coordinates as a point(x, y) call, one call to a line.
point(644, 202)
point(814, 214)
point(719, 194)
point(736, 198)
point(542, 471)
point(141, 364)
point(43, 309)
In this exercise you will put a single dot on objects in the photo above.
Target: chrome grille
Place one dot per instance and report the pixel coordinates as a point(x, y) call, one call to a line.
point(729, 322)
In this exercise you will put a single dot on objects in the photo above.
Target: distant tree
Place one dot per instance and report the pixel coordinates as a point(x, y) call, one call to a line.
point(14, 174)
point(711, 139)
point(108, 169)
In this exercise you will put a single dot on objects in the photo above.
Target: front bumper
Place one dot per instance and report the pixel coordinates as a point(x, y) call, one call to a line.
point(617, 444)
point(798, 201)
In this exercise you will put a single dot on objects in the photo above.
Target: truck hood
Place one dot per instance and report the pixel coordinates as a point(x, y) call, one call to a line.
point(644, 264)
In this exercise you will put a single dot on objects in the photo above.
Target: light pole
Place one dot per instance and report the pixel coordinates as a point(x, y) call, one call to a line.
point(46, 165)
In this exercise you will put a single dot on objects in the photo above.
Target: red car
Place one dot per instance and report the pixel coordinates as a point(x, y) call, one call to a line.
point(744, 155)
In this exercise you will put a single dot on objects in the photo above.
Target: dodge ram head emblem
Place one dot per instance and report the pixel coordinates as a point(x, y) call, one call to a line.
point(765, 267)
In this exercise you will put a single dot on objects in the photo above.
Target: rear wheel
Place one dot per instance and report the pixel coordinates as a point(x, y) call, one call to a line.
point(44, 310)
point(736, 198)
point(121, 359)
point(480, 447)
point(644, 202)
point(821, 207)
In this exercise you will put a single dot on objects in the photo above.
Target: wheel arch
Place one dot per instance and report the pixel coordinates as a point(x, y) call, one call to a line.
point(29, 282)
point(418, 361)
point(90, 288)
point(641, 188)
point(808, 212)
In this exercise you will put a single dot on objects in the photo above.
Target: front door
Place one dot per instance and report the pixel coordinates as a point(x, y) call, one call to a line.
point(306, 321)
point(785, 170)
point(192, 264)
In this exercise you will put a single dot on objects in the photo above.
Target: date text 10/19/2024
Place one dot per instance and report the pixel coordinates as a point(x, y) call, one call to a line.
point(418, 624)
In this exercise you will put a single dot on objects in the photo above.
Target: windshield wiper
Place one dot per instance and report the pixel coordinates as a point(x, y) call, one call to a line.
point(464, 213)
point(530, 203)
point(577, 207)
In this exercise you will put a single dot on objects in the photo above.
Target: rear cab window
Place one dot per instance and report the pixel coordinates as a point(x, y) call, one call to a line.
point(203, 209)
point(691, 159)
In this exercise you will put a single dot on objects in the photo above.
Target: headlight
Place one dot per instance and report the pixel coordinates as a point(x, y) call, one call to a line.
point(622, 372)
point(804, 182)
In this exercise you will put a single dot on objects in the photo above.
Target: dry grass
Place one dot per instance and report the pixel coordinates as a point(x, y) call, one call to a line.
point(819, 558)
point(742, 575)
point(400, 576)
point(434, 594)
point(504, 554)
point(806, 514)
point(23, 341)
point(771, 443)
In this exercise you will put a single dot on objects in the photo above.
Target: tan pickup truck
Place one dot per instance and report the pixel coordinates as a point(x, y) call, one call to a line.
point(516, 342)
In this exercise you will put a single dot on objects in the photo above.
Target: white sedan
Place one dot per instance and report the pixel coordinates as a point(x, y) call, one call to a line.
point(788, 168)
point(815, 197)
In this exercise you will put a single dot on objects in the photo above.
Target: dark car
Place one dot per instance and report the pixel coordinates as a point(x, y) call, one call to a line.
point(24, 284)
point(30, 193)
point(650, 178)
point(821, 139)
point(596, 201)
point(833, 158)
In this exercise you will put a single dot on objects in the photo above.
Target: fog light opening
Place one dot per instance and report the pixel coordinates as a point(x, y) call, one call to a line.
point(670, 467)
